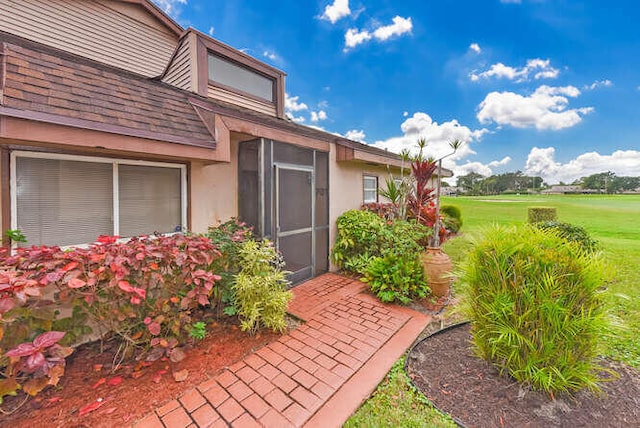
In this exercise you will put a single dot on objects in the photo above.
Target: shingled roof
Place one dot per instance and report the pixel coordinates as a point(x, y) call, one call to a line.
point(48, 85)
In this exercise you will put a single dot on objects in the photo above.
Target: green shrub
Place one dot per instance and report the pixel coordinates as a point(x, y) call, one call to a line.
point(452, 217)
point(261, 294)
point(360, 233)
point(396, 278)
point(406, 237)
point(538, 214)
point(571, 233)
point(228, 237)
point(537, 307)
point(452, 211)
point(363, 235)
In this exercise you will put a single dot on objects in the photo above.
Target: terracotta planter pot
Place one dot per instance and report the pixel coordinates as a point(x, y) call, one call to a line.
point(437, 268)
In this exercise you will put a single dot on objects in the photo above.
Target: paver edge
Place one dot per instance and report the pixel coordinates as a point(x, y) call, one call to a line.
point(335, 411)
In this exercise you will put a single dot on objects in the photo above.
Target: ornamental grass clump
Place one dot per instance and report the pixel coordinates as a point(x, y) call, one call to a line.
point(537, 307)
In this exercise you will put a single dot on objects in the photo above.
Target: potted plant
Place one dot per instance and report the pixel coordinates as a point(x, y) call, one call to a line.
point(424, 206)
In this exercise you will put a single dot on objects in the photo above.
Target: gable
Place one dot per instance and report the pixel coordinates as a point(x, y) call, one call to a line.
point(127, 34)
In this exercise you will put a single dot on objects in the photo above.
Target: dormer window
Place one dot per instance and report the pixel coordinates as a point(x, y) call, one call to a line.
point(228, 74)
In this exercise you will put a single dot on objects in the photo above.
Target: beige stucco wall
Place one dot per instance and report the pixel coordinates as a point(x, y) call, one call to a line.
point(214, 192)
point(346, 188)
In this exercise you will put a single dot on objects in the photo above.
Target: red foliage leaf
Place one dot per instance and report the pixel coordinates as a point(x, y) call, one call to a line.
point(140, 292)
point(105, 239)
point(154, 328)
point(6, 304)
point(70, 266)
point(100, 381)
point(125, 286)
point(115, 381)
point(22, 350)
point(90, 407)
point(48, 339)
point(76, 283)
point(34, 362)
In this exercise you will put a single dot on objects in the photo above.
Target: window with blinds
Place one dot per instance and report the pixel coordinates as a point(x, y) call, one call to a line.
point(370, 185)
point(66, 200)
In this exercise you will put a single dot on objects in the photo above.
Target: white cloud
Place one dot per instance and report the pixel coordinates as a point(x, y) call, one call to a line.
point(541, 161)
point(291, 104)
point(339, 9)
point(466, 168)
point(354, 37)
point(536, 68)
point(546, 108)
point(606, 83)
point(317, 116)
point(271, 55)
point(477, 167)
point(505, 160)
point(297, 119)
point(355, 135)
point(211, 30)
point(399, 26)
point(475, 47)
point(169, 6)
point(438, 137)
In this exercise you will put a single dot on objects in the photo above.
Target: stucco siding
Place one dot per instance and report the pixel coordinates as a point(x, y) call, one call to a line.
point(248, 103)
point(122, 36)
point(214, 192)
point(346, 188)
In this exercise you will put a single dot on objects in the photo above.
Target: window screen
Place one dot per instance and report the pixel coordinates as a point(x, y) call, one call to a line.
point(370, 184)
point(150, 200)
point(235, 76)
point(70, 202)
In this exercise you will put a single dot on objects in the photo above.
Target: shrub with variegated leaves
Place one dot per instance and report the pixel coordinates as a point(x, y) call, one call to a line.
point(144, 290)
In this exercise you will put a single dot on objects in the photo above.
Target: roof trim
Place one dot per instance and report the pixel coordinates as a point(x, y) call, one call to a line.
point(96, 126)
point(159, 14)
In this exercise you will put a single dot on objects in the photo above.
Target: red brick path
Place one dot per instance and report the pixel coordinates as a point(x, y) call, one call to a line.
point(316, 376)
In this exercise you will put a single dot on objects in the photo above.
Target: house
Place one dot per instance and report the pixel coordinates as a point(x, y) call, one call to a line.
point(561, 189)
point(114, 120)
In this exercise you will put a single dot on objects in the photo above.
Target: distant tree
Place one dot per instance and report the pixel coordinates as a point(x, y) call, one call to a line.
point(604, 181)
point(470, 183)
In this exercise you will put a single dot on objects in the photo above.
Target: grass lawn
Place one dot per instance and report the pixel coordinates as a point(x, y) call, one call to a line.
point(611, 219)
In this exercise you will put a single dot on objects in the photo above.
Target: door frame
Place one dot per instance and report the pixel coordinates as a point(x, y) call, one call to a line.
point(277, 167)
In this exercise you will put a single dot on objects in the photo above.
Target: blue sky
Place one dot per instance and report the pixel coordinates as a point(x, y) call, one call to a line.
point(548, 87)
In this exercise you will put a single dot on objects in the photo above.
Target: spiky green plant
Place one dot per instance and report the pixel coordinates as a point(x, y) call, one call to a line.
point(537, 307)
point(261, 294)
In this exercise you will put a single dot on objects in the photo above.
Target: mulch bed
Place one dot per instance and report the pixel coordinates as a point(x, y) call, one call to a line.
point(445, 369)
point(131, 390)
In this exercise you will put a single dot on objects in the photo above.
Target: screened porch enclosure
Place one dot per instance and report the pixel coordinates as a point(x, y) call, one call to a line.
point(284, 194)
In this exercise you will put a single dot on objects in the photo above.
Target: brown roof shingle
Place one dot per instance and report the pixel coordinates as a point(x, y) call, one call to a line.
point(58, 85)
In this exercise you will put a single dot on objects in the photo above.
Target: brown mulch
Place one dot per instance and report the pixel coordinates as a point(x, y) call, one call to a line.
point(138, 388)
point(445, 369)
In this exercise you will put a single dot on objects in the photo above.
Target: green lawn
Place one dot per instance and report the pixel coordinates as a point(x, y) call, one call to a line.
point(611, 219)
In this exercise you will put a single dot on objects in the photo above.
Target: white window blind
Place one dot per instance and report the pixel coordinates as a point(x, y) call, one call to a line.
point(370, 184)
point(61, 201)
point(150, 200)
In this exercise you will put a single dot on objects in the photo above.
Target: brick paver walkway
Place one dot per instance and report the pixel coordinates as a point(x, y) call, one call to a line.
point(316, 376)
